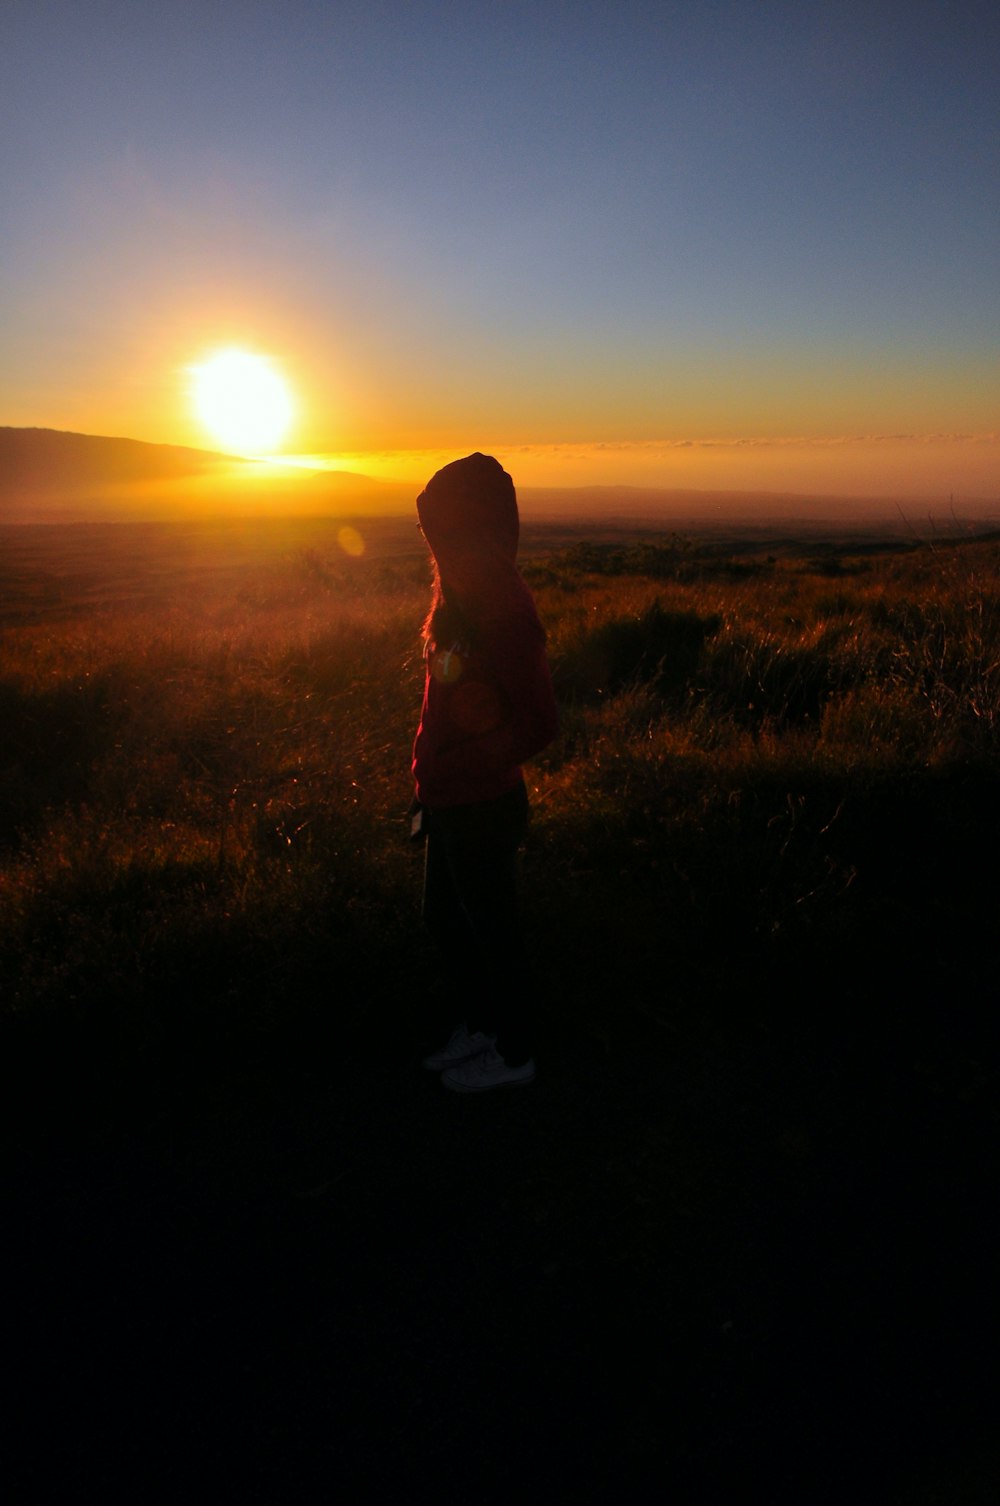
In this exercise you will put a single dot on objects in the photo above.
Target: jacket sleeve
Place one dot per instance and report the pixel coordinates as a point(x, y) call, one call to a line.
point(519, 659)
point(523, 672)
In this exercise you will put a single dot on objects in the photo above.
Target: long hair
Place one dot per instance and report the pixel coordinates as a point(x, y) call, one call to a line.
point(445, 622)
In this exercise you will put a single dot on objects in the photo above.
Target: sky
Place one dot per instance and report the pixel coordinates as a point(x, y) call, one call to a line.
point(719, 243)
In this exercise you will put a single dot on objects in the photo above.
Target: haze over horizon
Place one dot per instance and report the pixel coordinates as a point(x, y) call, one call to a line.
point(52, 476)
point(713, 247)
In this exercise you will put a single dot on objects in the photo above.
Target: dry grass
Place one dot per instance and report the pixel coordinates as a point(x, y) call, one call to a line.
point(211, 784)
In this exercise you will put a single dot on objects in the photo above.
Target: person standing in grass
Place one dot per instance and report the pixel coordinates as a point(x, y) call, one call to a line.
point(488, 705)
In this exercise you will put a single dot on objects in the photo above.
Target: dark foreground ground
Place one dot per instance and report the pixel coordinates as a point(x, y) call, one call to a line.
point(739, 1242)
point(712, 1262)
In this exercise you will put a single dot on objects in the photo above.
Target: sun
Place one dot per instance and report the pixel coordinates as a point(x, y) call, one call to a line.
point(242, 401)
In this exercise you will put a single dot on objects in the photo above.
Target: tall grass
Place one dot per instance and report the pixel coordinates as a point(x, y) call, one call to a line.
point(203, 797)
point(196, 797)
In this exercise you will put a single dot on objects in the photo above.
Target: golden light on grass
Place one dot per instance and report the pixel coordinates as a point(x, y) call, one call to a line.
point(243, 402)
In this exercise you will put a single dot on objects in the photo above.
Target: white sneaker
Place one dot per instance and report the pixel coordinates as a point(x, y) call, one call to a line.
point(487, 1069)
point(462, 1047)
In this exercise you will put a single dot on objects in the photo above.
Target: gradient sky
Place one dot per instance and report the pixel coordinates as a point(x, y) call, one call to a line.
point(748, 244)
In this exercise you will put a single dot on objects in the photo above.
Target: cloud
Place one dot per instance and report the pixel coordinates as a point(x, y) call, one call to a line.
point(656, 448)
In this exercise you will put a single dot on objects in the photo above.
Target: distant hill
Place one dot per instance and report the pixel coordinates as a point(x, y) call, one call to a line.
point(678, 508)
point(785, 513)
point(55, 458)
point(50, 475)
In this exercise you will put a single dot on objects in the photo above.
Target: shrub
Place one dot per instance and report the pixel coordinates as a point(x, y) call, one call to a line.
point(657, 647)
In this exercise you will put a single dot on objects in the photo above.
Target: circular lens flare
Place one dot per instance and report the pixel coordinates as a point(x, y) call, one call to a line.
point(242, 401)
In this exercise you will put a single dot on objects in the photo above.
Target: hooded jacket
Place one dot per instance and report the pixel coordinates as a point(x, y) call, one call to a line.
point(488, 704)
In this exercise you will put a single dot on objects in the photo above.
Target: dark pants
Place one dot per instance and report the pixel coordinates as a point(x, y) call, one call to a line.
point(470, 909)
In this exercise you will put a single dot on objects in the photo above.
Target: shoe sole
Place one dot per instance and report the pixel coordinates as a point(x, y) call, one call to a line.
point(507, 1082)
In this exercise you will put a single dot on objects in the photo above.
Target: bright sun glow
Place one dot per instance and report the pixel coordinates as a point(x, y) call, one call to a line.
point(242, 401)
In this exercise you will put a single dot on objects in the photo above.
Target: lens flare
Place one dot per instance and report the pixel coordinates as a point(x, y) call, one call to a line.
point(351, 541)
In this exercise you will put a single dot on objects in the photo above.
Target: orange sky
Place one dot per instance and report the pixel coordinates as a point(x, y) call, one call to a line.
point(726, 247)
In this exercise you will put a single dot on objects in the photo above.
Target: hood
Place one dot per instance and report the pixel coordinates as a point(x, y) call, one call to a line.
point(468, 512)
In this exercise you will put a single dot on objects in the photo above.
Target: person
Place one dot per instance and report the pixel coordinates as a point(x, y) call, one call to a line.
point(488, 706)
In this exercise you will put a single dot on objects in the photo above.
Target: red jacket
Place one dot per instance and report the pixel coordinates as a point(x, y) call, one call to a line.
point(488, 707)
point(485, 711)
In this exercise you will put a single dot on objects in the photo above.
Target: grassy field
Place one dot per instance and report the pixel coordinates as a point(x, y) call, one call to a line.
point(760, 890)
point(206, 737)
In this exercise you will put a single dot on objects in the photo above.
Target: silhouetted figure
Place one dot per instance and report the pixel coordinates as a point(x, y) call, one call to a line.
point(488, 706)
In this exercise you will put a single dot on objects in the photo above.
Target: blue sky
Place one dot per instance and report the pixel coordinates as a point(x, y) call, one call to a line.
point(555, 223)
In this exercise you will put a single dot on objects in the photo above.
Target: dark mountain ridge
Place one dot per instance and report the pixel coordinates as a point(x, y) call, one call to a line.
point(52, 475)
point(41, 457)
